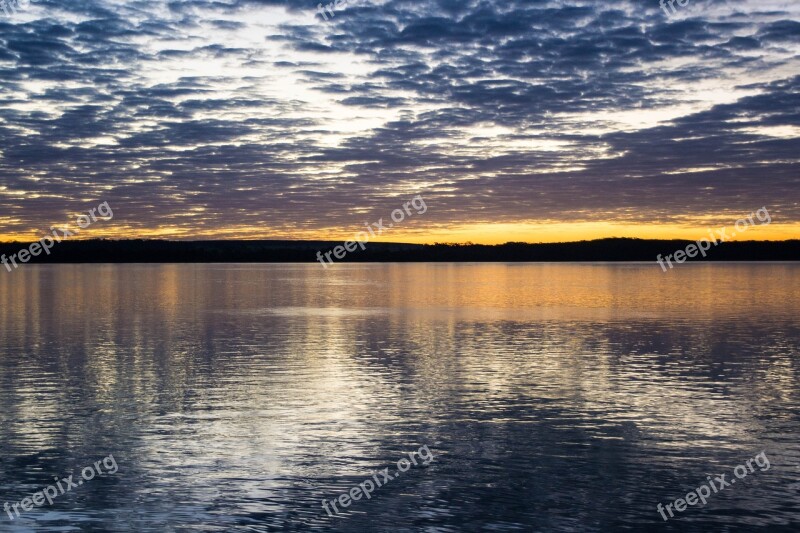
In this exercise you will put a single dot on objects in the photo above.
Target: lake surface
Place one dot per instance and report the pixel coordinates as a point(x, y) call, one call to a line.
point(552, 397)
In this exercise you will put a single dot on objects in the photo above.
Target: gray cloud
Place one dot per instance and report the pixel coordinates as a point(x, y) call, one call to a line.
point(197, 115)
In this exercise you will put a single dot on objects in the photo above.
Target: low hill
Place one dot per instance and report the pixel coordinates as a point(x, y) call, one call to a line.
point(266, 251)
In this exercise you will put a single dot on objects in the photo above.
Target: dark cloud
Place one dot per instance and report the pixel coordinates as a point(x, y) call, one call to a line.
point(206, 114)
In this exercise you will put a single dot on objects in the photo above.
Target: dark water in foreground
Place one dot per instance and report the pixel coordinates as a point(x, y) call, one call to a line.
point(551, 397)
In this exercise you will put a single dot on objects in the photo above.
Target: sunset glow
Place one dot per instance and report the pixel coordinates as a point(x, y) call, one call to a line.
point(549, 121)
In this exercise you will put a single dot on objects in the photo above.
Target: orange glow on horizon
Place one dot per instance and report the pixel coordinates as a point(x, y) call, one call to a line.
point(484, 233)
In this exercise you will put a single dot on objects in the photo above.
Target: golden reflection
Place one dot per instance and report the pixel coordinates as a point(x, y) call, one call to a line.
point(260, 360)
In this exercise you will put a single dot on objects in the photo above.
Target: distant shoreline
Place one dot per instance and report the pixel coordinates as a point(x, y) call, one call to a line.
point(270, 251)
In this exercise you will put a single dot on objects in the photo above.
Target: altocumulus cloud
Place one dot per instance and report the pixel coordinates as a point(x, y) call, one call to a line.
point(254, 118)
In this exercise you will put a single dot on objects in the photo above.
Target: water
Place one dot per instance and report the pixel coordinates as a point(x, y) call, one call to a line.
point(551, 397)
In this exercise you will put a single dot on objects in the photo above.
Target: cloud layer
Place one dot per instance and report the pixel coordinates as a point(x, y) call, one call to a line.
point(260, 119)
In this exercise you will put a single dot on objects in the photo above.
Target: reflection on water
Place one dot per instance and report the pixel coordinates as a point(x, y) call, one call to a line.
point(553, 397)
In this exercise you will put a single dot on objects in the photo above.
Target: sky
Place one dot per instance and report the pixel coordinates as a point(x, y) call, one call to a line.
point(532, 120)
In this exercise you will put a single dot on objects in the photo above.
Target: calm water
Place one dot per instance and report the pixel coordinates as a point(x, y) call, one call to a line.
point(552, 397)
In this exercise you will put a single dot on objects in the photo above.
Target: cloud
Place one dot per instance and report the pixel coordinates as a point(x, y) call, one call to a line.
point(197, 116)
